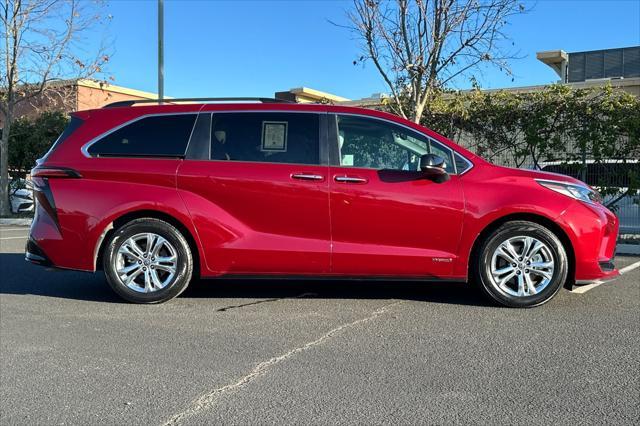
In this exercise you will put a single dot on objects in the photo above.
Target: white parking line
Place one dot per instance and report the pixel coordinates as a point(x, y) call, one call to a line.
point(14, 238)
point(26, 228)
point(586, 288)
point(630, 268)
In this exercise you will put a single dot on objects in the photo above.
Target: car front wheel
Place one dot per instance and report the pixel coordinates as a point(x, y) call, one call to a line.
point(148, 261)
point(521, 264)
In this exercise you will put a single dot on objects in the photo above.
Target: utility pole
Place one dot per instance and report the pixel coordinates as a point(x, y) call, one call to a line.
point(160, 50)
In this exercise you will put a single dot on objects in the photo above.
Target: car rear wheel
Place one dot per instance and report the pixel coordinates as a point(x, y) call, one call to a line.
point(148, 261)
point(521, 264)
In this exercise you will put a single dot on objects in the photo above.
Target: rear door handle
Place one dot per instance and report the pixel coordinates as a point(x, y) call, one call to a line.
point(307, 176)
point(350, 179)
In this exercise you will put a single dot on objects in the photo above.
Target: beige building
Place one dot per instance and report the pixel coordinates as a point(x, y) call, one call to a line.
point(305, 95)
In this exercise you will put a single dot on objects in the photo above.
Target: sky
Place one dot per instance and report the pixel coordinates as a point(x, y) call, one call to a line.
point(255, 48)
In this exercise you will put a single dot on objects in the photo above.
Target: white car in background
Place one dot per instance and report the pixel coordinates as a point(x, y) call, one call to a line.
point(627, 207)
point(21, 196)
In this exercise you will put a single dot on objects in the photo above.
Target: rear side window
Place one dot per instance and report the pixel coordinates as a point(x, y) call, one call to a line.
point(72, 126)
point(154, 136)
point(270, 137)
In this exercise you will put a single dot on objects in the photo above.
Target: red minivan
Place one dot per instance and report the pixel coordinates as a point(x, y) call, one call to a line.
point(158, 194)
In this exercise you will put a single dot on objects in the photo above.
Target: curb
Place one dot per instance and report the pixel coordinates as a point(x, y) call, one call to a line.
point(632, 249)
point(16, 222)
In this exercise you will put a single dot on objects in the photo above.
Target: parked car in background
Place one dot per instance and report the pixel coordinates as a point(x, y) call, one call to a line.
point(21, 196)
point(155, 195)
point(612, 174)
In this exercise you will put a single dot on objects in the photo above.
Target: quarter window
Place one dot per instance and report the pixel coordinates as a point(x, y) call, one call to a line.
point(155, 136)
point(376, 144)
point(266, 137)
point(462, 164)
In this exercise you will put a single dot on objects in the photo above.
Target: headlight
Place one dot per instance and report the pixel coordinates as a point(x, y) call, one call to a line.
point(579, 192)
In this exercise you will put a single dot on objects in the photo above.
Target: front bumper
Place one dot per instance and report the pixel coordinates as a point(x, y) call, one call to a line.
point(20, 204)
point(593, 231)
point(610, 273)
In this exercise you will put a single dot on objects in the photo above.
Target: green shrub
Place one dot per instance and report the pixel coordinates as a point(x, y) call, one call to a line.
point(30, 139)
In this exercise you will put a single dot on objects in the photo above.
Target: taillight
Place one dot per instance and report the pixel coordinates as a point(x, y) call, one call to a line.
point(54, 172)
point(40, 176)
point(44, 198)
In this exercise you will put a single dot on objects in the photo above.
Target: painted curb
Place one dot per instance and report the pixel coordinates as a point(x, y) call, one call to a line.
point(16, 222)
point(628, 249)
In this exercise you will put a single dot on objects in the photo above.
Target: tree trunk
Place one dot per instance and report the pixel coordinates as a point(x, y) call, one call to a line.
point(4, 166)
point(417, 116)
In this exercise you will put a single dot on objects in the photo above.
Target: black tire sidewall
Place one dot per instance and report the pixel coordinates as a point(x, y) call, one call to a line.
point(173, 236)
point(513, 229)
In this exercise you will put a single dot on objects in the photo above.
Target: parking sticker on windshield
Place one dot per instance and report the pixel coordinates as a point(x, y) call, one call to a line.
point(274, 136)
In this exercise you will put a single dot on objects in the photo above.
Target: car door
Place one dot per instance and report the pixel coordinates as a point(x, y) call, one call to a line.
point(387, 218)
point(259, 199)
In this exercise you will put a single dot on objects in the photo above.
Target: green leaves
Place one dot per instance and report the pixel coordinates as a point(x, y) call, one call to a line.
point(553, 123)
point(31, 139)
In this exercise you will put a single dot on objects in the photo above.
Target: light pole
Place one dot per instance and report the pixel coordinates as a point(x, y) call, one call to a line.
point(160, 50)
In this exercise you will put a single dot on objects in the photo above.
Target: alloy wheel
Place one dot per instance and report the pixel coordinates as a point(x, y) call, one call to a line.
point(521, 266)
point(146, 262)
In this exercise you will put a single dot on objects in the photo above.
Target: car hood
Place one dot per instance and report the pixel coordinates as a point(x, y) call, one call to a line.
point(537, 174)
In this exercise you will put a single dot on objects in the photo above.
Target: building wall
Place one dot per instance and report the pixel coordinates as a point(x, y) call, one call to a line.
point(76, 95)
point(56, 98)
point(92, 98)
point(305, 95)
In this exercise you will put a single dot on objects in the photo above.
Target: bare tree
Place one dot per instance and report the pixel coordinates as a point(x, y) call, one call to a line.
point(421, 46)
point(44, 41)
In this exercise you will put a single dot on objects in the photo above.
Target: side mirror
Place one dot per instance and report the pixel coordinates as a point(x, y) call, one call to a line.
point(432, 165)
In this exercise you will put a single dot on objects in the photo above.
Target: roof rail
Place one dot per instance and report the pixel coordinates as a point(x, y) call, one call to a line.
point(194, 100)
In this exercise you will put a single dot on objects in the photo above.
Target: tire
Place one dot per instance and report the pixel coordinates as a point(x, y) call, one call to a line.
point(504, 254)
point(148, 261)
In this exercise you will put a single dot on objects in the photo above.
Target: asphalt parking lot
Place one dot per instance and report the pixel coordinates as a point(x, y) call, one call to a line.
point(241, 352)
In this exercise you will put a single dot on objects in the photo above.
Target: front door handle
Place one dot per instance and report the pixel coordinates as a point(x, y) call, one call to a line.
point(307, 176)
point(350, 179)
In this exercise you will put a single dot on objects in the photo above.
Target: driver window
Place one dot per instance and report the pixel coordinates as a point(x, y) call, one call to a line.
point(375, 144)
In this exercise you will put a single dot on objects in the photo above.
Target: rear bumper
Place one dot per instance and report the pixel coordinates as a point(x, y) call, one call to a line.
point(46, 245)
point(34, 254)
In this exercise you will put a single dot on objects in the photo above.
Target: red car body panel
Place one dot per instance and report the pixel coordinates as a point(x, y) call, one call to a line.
point(253, 218)
point(86, 207)
point(397, 223)
point(265, 222)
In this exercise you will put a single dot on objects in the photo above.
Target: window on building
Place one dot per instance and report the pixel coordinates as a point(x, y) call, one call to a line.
point(594, 65)
point(613, 63)
point(268, 137)
point(154, 136)
point(576, 67)
point(610, 63)
point(631, 57)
